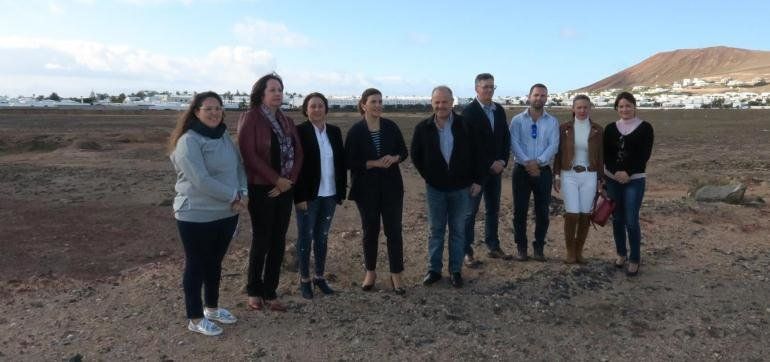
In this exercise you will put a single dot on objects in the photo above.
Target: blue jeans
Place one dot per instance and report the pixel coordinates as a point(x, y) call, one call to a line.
point(491, 192)
point(313, 225)
point(525, 185)
point(447, 207)
point(628, 200)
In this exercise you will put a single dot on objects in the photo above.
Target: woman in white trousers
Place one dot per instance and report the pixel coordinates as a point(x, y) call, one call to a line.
point(577, 174)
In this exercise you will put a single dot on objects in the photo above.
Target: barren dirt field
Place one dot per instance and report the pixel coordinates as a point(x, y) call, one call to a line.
point(91, 264)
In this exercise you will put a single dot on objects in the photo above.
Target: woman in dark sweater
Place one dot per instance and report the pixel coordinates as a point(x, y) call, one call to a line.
point(374, 147)
point(627, 148)
point(320, 187)
point(272, 157)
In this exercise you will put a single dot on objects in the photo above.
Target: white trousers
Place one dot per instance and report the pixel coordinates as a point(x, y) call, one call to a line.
point(578, 190)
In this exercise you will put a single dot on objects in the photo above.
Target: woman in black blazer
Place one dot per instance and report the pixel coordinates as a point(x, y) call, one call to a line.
point(374, 147)
point(320, 187)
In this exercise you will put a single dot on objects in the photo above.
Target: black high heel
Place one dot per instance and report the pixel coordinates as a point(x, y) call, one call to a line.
point(397, 290)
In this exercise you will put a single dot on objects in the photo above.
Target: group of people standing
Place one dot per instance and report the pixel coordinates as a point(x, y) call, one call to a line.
point(461, 157)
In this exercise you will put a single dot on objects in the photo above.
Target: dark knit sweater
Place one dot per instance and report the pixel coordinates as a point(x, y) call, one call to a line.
point(629, 153)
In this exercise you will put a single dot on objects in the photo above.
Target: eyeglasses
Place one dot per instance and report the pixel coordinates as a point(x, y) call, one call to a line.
point(534, 131)
point(489, 87)
point(210, 109)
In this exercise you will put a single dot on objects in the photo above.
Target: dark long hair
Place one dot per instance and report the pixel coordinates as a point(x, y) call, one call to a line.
point(185, 120)
point(627, 96)
point(258, 90)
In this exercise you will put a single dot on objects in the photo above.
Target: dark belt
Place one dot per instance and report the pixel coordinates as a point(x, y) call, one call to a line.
point(546, 167)
point(579, 169)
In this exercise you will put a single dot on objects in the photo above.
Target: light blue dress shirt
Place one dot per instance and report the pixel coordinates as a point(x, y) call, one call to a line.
point(489, 110)
point(542, 147)
point(446, 139)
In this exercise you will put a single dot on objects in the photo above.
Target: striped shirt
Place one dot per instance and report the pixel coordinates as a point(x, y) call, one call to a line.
point(375, 135)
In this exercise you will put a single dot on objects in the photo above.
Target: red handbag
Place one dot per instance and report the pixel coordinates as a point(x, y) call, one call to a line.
point(603, 208)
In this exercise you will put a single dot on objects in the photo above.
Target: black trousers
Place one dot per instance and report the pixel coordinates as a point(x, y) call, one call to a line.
point(269, 221)
point(389, 208)
point(205, 245)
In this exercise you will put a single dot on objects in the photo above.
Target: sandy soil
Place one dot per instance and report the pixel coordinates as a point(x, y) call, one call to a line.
point(90, 261)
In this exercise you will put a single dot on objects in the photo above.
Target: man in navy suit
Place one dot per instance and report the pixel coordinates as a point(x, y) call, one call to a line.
point(489, 121)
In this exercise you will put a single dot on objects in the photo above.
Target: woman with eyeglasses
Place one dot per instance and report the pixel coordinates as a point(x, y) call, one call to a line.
point(627, 148)
point(210, 192)
point(272, 156)
point(374, 148)
point(577, 171)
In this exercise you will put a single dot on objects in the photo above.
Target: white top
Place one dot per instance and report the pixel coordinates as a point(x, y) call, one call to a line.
point(327, 186)
point(582, 130)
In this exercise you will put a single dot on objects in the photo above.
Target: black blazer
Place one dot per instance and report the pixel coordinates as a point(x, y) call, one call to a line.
point(466, 164)
point(306, 188)
point(359, 148)
point(497, 144)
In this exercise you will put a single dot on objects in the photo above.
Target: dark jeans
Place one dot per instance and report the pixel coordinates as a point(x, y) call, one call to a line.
point(628, 200)
point(269, 222)
point(205, 245)
point(389, 208)
point(447, 208)
point(491, 192)
point(313, 226)
point(525, 185)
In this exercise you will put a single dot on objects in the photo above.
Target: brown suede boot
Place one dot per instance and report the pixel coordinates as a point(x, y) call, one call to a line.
point(584, 222)
point(570, 225)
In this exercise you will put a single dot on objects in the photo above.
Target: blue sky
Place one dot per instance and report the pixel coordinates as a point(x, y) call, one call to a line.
point(343, 47)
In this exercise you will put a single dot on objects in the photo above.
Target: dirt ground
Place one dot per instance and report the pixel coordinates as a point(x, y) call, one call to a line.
point(90, 261)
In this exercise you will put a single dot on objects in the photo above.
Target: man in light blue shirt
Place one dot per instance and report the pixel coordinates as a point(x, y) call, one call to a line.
point(534, 142)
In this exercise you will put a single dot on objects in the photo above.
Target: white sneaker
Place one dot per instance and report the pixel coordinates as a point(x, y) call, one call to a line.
point(205, 327)
point(220, 315)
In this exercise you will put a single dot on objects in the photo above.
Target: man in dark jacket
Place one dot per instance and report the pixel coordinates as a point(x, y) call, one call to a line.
point(445, 153)
point(488, 119)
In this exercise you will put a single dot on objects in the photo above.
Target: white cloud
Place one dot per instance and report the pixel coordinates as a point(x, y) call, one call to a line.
point(50, 62)
point(75, 67)
point(261, 32)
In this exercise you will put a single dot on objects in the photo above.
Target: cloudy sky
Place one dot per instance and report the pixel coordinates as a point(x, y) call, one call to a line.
point(341, 47)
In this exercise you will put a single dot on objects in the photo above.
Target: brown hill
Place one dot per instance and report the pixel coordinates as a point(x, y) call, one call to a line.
point(705, 63)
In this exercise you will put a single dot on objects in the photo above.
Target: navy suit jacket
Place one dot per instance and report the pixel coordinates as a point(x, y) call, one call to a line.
point(497, 142)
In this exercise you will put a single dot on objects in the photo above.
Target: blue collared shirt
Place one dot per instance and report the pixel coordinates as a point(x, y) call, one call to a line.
point(446, 139)
point(543, 147)
point(489, 110)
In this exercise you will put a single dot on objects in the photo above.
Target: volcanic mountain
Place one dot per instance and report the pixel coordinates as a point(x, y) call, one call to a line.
point(712, 63)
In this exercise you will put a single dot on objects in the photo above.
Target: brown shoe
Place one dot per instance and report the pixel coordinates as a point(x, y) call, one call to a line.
point(255, 303)
point(276, 306)
point(499, 254)
point(633, 269)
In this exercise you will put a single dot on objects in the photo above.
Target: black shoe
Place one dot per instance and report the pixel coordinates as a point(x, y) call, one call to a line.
point(521, 255)
point(431, 277)
point(306, 289)
point(499, 254)
point(457, 280)
point(538, 255)
point(471, 262)
point(320, 283)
